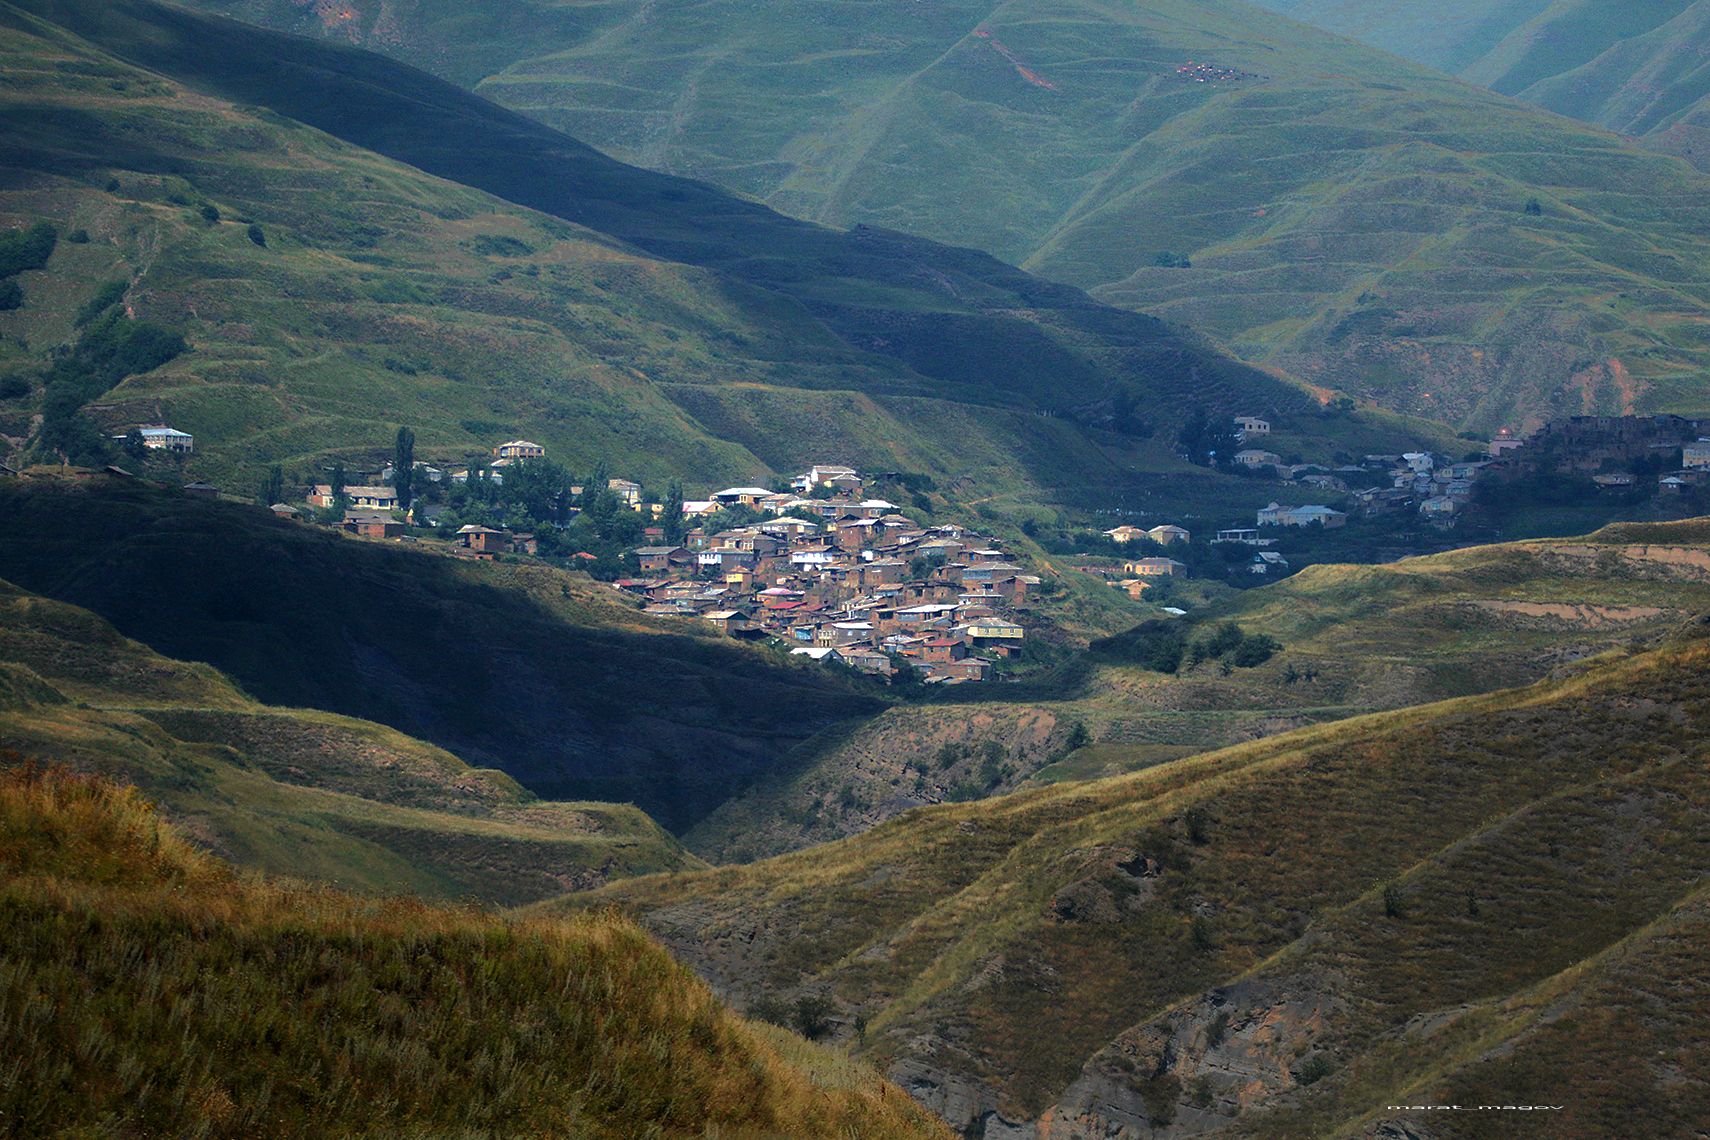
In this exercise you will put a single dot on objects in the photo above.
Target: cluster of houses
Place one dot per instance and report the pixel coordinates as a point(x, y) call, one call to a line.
point(1607, 448)
point(1419, 481)
point(858, 582)
point(1138, 573)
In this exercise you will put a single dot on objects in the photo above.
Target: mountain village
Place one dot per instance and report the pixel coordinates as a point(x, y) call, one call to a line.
point(834, 574)
point(846, 579)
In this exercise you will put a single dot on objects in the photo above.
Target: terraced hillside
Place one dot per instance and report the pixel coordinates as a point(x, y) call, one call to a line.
point(150, 990)
point(1354, 640)
point(611, 313)
point(1636, 68)
point(1365, 224)
point(540, 673)
point(1493, 900)
point(292, 791)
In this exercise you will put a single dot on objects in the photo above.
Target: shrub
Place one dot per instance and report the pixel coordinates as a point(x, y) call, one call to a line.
point(11, 296)
point(813, 1016)
point(27, 249)
point(1198, 826)
point(105, 298)
point(1312, 1070)
point(257, 236)
point(1204, 940)
point(210, 213)
point(1255, 650)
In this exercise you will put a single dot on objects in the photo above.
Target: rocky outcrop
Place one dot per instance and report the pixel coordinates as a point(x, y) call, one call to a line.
point(1194, 1070)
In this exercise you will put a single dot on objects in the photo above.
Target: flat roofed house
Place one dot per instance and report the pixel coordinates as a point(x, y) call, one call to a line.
point(363, 498)
point(826, 475)
point(159, 437)
point(519, 449)
point(373, 524)
point(1155, 568)
point(727, 621)
point(740, 496)
point(1252, 425)
point(482, 541)
point(651, 559)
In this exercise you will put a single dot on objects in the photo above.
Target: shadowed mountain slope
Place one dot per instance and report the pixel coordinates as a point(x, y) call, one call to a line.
point(1279, 939)
point(537, 672)
point(292, 791)
point(1355, 220)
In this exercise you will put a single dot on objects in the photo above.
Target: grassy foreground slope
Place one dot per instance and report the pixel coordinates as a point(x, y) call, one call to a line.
point(1355, 220)
point(291, 791)
point(1355, 640)
point(150, 990)
point(1277, 939)
point(661, 324)
point(540, 673)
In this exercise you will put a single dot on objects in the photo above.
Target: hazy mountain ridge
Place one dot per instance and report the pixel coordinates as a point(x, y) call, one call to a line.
point(1360, 222)
point(896, 341)
point(1636, 68)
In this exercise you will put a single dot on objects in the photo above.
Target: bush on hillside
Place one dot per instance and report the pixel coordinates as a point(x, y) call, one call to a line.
point(22, 250)
point(105, 298)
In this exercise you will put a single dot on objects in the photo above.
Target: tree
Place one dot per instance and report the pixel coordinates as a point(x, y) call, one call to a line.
point(404, 467)
point(257, 236)
point(540, 490)
point(338, 486)
point(273, 487)
point(672, 516)
point(1207, 442)
point(134, 445)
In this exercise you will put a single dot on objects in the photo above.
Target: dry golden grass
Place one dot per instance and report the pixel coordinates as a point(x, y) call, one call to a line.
point(148, 988)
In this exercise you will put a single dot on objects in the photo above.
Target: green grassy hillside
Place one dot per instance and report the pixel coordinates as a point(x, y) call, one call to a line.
point(1282, 938)
point(1636, 68)
point(1356, 220)
point(612, 313)
point(291, 791)
point(543, 674)
point(150, 990)
point(1354, 640)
